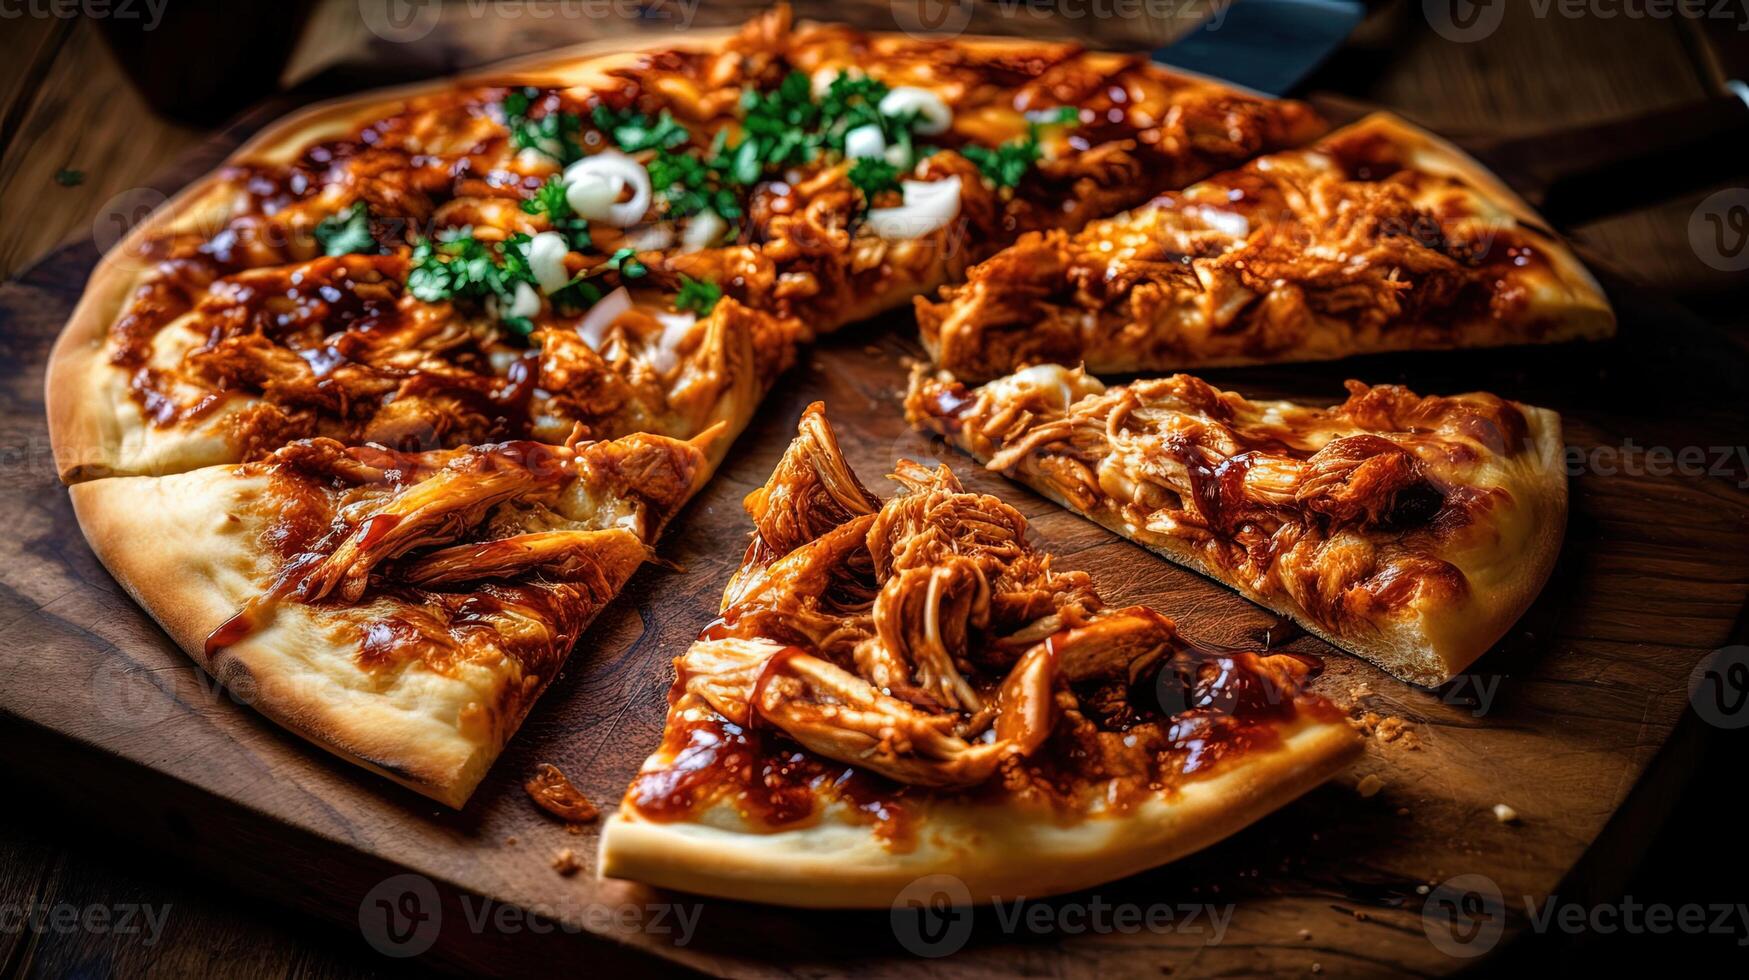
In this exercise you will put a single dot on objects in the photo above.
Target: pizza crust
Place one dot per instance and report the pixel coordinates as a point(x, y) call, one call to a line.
point(185, 548)
point(998, 851)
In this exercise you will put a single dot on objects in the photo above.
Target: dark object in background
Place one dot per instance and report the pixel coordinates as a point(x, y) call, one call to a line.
point(200, 61)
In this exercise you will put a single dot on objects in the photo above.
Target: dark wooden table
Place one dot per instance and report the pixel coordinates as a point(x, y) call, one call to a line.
point(74, 138)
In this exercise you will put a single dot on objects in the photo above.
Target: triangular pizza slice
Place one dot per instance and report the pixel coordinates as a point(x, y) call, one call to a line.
point(1413, 531)
point(908, 687)
point(1380, 237)
point(402, 610)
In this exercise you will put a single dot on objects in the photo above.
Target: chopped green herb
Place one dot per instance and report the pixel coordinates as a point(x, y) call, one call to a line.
point(633, 131)
point(464, 268)
point(872, 176)
point(549, 200)
point(554, 134)
point(699, 296)
point(625, 262)
point(1007, 165)
point(68, 177)
point(688, 185)
point(779, 127)
point(347, 233)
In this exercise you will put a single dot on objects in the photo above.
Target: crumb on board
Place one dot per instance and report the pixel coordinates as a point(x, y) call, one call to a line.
point(1505, 814)
point(1369, 786)
point(1402, 811)
point(1387, 729)
point(1422, 889)
point(1361, 916)
point(565, 863)
point(552, 791)
point(1317, 968)
point(510, 841)
point(1306, 935)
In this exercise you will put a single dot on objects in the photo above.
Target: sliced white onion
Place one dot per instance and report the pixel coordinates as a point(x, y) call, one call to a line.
point(666, 353)
point(525, 303)
point(820, 82)
point(899, 155)
point(703, 230)
point(595, 183)
point(546, 259)
point(865, 141)
point(933, 115)
point(929, 206)
point(593, 328)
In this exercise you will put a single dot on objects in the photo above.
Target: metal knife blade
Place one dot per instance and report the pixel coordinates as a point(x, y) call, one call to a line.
point(1265, 45)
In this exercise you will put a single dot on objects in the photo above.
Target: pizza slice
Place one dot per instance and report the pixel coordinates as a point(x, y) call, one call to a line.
point(401, 610)
point(1380, 237)
point(633, 240)
point(1410, 530)
point(903, 688)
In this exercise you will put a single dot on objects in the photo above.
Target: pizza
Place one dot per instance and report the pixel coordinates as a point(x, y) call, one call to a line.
point(406, 389)
point(1410, 530)
point(1379, 237)
point(632, 241)
point(909, 687)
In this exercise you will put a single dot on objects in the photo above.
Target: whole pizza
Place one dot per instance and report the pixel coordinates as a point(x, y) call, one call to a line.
point(380, 415)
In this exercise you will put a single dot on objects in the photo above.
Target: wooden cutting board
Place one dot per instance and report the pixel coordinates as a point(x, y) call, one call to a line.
point(1562, 722)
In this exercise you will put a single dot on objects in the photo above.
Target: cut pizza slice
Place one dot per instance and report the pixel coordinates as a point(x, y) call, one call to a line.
point(1380, 237)
point(630, 238)
point(402, 610)
point(906, 688)
point(1413, 531)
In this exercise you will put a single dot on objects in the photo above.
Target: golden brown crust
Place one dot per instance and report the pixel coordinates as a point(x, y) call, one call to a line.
point(996, 851)
point(1412, 531)
point(1379, 237)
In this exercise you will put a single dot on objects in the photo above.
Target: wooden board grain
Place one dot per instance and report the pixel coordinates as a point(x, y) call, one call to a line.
point(1560, 722)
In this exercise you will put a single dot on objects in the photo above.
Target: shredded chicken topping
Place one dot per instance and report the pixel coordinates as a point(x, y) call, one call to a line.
point(1344, 510)
point(1308, 254)
point(924, 639)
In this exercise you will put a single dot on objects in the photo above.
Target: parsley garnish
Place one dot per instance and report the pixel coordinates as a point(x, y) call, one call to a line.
point(347, 232)
point(779, 127)
point(689, 185)
point(464, 268)
point(553, 134)
point(549, 200)
point(699, 296)
point(1007, 164)
point(873, 175)
point(633, 131)
point(625, 262)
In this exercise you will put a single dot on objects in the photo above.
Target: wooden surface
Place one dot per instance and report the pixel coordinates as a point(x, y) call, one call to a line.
point(1588, 683)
